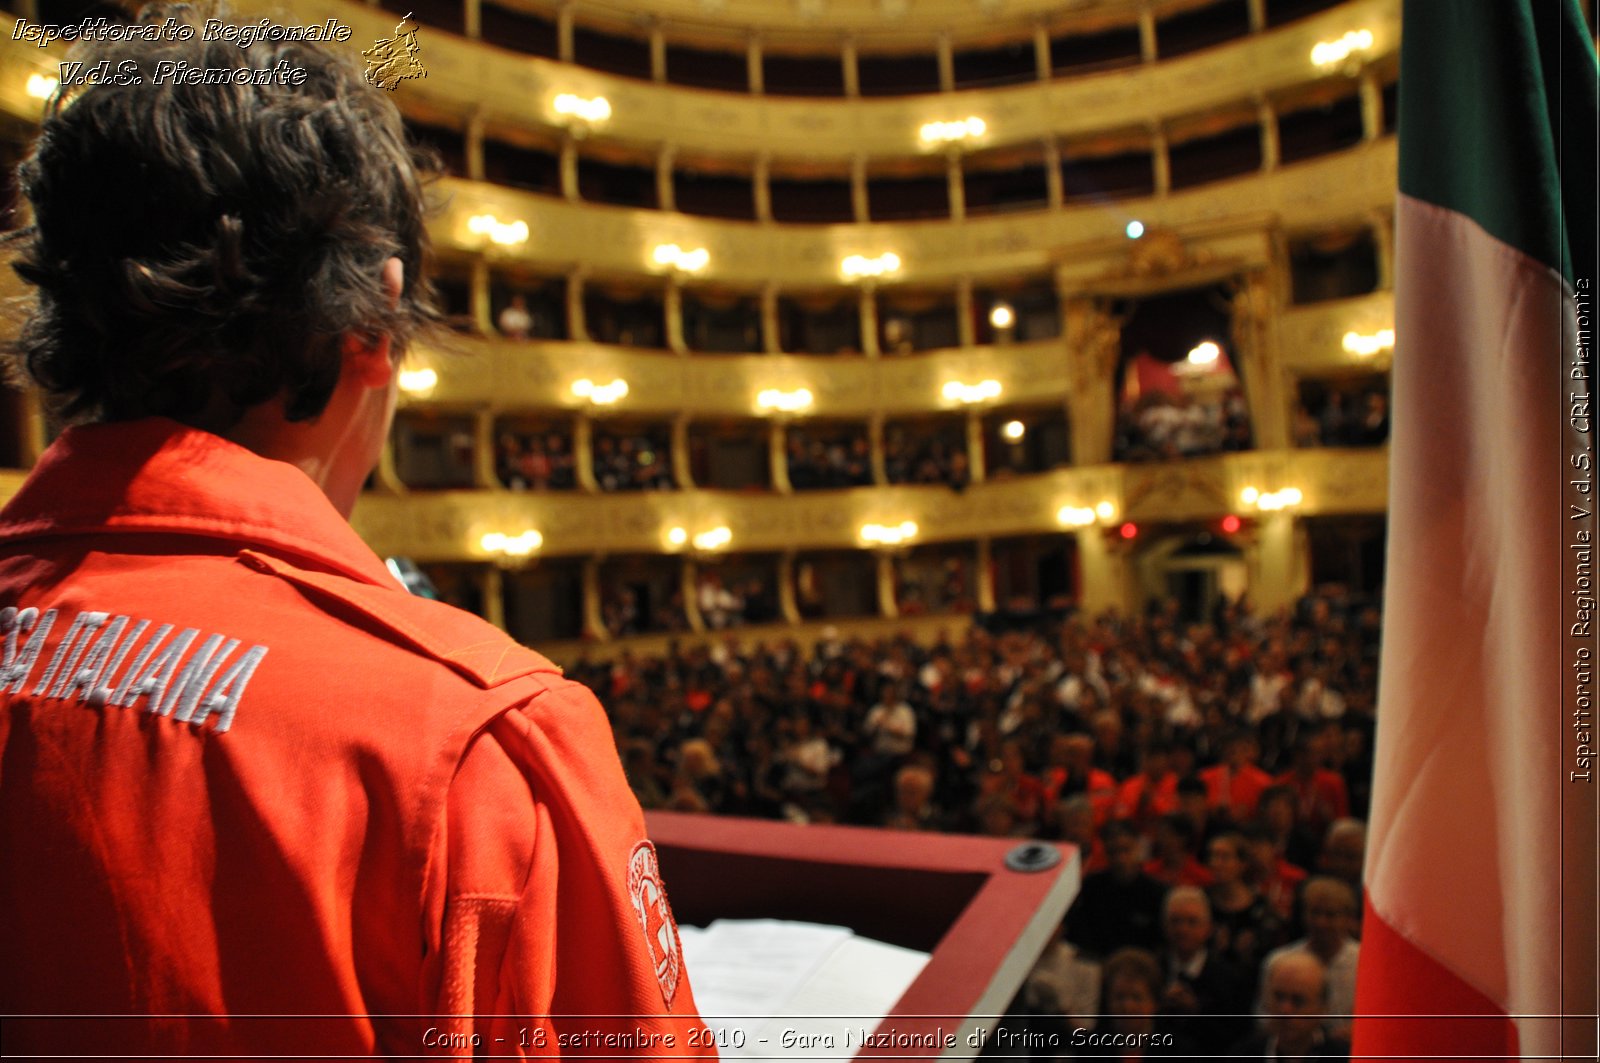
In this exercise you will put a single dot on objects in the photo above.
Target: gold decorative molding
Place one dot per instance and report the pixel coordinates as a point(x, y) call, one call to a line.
point(880, 24)
point(447, 526)
point(508, 375)
point(1313, 336)
point(1227, 221)
point(512, 92)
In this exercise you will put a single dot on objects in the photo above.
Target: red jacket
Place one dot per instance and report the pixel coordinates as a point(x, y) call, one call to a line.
point(1236, 791)
point(244, 773)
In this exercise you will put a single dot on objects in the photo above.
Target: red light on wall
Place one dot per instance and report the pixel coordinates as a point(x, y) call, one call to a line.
point(1231, 523)
point(1129, 530)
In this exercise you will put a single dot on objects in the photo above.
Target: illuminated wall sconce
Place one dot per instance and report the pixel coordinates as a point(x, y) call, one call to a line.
point(969, 128)
point(971, 394)
point(1332, 53)
point(856, 267)
point(40, 86)
point(1013, 431)
point(889, 534)
point(1365, 345)
point(1204, 355)
point(1002, 316)
point(772, 400)
point(418, 383)
point(512, 548)
point(593, 111)
point(1134, 229)
point(600, 394)
point(707, 542)
point(711, 541)
point(675, 257)
point(1271, 501)
point(1102, 512)
point(504, 233)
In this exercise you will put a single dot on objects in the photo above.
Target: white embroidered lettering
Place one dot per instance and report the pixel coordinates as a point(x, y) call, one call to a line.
point(21, 663)
point(194, 677)
point(78, 684)
point(8, 628)
point(84, 625)
point(119, 696)
point(159, 672)
point(100, 693)
point(224, 697)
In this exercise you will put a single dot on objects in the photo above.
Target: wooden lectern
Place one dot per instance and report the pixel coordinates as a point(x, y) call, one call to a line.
point(985, 921)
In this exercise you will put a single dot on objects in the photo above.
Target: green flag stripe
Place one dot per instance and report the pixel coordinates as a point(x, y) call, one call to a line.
point(1497, 121)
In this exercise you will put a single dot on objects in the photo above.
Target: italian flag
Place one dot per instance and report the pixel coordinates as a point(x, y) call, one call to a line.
point(1480, 905)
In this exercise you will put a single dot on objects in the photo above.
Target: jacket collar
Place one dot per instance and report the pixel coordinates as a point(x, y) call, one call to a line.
point(158, 476)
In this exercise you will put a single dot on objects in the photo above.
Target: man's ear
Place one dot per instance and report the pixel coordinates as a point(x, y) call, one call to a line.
point(367, 356)
point(366, 359)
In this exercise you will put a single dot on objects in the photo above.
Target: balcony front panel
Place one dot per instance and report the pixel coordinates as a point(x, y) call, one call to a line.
point(872, 21)
point(618, 241)
point(449, 526)
point(510, 375)
point(1312, 337)
point(516, 91)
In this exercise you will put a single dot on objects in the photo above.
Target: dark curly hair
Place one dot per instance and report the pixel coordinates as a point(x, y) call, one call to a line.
point(199, 249)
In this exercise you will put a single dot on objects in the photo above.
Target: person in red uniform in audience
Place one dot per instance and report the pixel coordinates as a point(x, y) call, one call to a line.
point(1173, 861)
point(1320, 794)
point(247, 774)
point(1152, 793)
point(1235, 785)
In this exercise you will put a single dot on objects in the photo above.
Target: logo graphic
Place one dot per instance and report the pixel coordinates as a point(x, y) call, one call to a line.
point(392, 61)
point(655, 918)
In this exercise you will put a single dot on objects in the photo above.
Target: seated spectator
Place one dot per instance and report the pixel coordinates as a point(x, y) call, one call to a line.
point(1172, 858)
point(1320, 795)
point(515, 322)
point(1200, 986)
point(1132, 992)
point(1119, 906)
point(1343, 855)
point(914, 808)
point(1008, 780)
point(1072, 821)
point(1268, 873)
point(1330, 915)
point(719, 606)
point(1294, 1001)
point(1277, 811)
point(1234, 786)
point(1151, 794)
point(1071, 771)
point(700, 784)
point(1245, 928)
point(1372, 425)
point(1194, 804)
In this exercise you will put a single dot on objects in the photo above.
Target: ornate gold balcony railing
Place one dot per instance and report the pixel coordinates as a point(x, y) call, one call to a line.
point(450, 525)
point(470, 79)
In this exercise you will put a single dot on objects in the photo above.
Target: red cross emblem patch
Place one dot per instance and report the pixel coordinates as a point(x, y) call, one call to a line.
point(655, 918)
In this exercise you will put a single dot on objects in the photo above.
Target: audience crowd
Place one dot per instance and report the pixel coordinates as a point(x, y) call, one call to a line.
point(1337, 418)
point(817, 463)
point(926, 457)
point(535, 461)
point(1161, 426)
point(1214, 776)
point(636, 461)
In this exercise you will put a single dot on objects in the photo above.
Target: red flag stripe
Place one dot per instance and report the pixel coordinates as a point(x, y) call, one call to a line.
point(1436, 1014)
